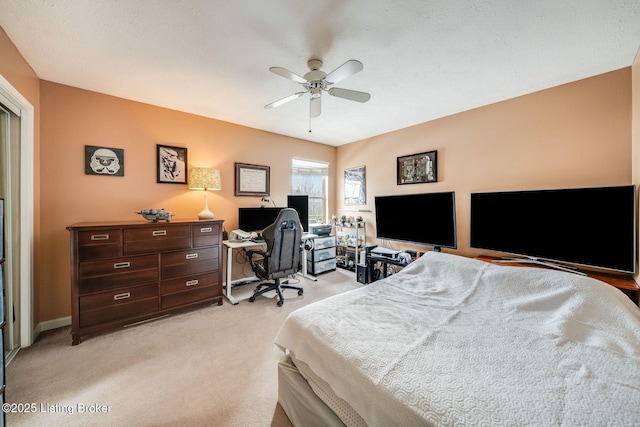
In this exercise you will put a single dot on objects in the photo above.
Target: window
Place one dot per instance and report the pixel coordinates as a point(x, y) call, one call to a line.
point(310, 177)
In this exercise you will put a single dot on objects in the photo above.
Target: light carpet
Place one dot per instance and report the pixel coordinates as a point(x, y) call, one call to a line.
point(214, 366)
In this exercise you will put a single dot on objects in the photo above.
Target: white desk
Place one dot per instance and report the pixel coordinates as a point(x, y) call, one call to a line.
point(240, 244)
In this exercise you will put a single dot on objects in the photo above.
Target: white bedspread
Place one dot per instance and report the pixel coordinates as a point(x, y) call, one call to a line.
point(457, 341)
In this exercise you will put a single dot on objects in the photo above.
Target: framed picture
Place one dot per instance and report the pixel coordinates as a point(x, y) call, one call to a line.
point(418, 168)
point(355, 186)
point(171, 164)
point(252, 180)
point(103, 161)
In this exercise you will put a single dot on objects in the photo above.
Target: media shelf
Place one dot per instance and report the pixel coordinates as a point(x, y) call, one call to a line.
point(350, 240)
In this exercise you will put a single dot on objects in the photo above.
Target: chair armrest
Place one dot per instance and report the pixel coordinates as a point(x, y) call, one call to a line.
point(252, 252)
point(260, 269)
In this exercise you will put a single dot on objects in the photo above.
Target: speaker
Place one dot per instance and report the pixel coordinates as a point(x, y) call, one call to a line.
point(363, 273)
point(300, 203)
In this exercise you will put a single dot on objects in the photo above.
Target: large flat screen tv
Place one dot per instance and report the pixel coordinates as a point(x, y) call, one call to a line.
point(424, 218)
point(257, 219)
point(592, 227)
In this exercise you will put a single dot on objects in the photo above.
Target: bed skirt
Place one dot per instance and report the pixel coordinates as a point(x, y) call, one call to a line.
point(298, 400)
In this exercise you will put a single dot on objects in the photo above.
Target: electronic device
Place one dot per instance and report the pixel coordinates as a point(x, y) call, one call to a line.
point(363, 274)
point(240, 235)
point(593, 227)
point(300, 202)
point(257, 219)
point(384, 252)
point(422, 218)
point(320, 229)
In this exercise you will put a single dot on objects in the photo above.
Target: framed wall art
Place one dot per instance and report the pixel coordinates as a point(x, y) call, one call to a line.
point(103, 161)
point(418, 168)
point(355, 192)
point(171, 164)
point(252, 180)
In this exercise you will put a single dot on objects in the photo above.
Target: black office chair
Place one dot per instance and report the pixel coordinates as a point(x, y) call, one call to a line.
point(282, 257)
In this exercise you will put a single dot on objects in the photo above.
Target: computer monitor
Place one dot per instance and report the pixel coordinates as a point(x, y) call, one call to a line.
point(257, 219)
point(300, 202)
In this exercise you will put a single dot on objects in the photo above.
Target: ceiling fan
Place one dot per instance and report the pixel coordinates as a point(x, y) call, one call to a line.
point(316, 81)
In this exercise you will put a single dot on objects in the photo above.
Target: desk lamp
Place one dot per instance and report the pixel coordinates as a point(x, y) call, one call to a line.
point(205, 179)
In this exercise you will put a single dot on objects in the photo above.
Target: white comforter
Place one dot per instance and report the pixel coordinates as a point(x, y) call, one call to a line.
point(456, 341)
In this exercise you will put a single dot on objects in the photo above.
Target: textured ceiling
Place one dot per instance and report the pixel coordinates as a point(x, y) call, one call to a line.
point(422, 59)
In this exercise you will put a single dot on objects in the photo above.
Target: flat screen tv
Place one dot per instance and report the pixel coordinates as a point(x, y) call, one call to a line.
point(594, 227)
point(257, 219)
point(424, 218)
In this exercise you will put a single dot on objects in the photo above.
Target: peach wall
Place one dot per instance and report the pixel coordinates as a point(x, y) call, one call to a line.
point(73, 118)
point(15, 69)
point(578, 134)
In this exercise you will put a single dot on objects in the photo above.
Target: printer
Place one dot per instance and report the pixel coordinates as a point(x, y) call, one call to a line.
point(320, 229)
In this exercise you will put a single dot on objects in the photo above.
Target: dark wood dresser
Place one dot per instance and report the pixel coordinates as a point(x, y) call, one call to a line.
point(127, 272)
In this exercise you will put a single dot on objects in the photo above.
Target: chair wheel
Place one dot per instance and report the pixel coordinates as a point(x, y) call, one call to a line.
point(280, 302)
point(252, 299)
point(300, 292)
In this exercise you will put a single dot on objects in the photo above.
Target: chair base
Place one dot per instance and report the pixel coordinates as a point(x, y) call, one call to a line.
point(277, 286)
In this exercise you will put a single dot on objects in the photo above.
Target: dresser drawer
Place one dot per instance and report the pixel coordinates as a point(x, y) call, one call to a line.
point(186, 263)
point(118, 304)
point(192, 296)
point(160, 237)
point(188, 283)
point(205, 235)
point(96, 276)
point(97, 244)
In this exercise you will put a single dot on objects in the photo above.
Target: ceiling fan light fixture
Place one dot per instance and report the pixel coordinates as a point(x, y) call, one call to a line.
point(316, 80)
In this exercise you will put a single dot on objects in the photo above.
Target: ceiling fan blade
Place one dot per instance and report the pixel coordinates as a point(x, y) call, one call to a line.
point(287, 74)
point(315, 107)
point(284, 100)
point(352, 95)
point(345, 70)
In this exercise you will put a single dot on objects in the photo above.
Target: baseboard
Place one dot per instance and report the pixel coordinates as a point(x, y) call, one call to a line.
point(51, 324)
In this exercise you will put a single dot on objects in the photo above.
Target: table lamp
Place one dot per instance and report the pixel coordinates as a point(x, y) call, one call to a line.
point(205, 179)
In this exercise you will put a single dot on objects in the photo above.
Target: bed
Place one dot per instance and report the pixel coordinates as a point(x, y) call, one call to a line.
point(451, 340)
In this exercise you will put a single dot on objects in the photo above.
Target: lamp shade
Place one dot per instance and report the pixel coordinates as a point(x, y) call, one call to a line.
point(204, 179)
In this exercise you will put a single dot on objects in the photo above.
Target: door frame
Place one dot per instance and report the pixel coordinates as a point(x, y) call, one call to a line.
point(27, 163)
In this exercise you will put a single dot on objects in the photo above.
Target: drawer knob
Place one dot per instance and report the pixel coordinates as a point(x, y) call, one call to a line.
point(99, 237)
point(191, 282)
point(126, 264)
point(160, 233)
point(205, 230)
point(191, 256)
point(122, 296)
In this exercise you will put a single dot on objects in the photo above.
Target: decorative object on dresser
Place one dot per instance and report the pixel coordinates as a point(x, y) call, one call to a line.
point(156, 215)
point(205, 179)
point(126, 272)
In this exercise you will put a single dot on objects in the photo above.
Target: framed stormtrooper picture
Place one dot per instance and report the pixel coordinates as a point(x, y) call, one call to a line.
point(171, 164)
point(103, 161)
